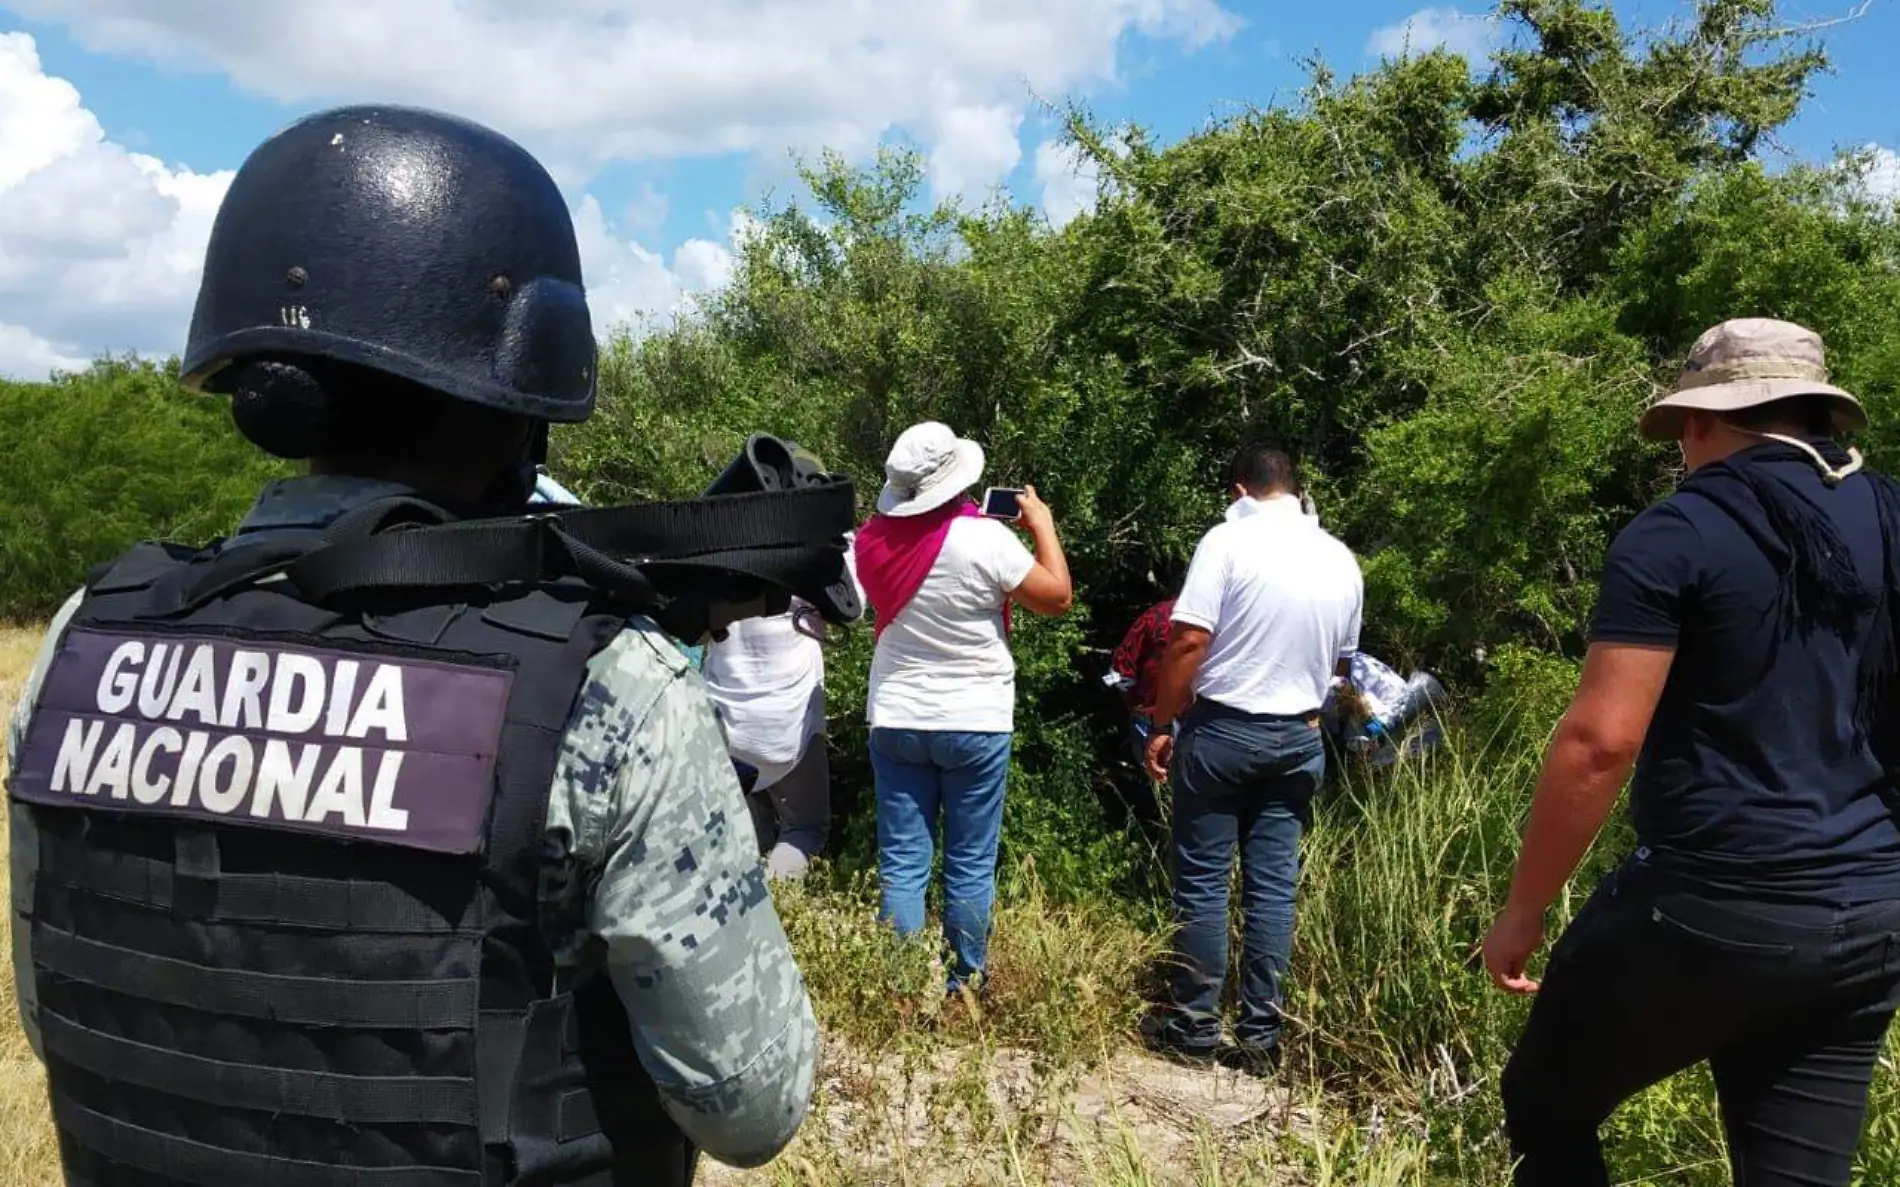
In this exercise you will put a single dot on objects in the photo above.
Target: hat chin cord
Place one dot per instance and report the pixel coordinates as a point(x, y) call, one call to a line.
point(1829, 474)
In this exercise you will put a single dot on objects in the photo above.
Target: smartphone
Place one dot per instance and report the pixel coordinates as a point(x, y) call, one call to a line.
point(1003, 502)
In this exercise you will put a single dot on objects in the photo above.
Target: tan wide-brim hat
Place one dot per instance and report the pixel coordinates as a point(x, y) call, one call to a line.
point(928, 466)
point(1746, 363)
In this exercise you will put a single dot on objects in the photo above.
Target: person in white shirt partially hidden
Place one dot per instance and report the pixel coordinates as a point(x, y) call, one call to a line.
point(767, 680)
point(1268, 615)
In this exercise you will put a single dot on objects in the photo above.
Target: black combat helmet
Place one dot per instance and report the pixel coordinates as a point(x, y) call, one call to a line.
point(405, 241)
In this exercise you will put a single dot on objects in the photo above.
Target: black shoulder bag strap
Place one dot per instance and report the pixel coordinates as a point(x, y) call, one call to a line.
point(229, 564)
point(646, 558)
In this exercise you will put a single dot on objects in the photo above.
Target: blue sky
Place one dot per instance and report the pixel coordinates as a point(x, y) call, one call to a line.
point(121, 119)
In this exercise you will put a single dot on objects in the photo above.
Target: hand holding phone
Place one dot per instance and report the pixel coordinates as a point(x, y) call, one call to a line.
point(1003, 502)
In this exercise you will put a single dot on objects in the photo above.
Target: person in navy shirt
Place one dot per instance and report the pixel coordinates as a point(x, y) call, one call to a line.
point(1742, 659)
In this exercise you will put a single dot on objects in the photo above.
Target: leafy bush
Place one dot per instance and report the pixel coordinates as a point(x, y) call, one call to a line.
point(1450, 296)
point(92, 462)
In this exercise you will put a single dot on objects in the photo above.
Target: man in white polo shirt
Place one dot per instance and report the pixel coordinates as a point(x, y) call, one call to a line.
point(1269, 613)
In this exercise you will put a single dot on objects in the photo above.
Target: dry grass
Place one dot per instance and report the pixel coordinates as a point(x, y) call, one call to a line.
point(28, 1156)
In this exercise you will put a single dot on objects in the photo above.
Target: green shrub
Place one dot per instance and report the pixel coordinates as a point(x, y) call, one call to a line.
point(93, 462)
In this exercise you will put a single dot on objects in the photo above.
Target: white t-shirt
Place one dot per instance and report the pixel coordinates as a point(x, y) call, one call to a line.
point(767, 681)
point(943, 663)
point(765, 678)
point(1282, 599)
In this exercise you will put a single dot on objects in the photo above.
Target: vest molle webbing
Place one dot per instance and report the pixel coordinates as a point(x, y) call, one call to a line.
point(284, 926)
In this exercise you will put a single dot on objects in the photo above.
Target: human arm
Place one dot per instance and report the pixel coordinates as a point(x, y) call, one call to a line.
point(1047, 589)
point(1195, 617)
point(851, 565)
point(694, 946)
point(1187, 651)
point(1349, 638)
point(1590, 757)
point(1350, 698)
point(1647, 579)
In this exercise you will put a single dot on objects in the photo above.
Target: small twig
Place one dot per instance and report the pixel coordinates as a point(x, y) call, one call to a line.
point(1853, 14)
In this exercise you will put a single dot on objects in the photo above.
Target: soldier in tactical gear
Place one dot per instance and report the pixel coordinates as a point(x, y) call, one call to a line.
point(385, 841)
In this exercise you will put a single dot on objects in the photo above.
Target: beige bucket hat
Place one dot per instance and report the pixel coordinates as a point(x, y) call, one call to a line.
point(928, 466)
point(1746, 363)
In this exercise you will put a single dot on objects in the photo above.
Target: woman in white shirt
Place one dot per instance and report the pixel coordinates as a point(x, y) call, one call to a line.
point(940, 580)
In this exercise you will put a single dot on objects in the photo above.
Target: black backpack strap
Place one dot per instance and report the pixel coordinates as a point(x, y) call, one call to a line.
point(645, 557)
point(213, 575)
point(477, 554)
point(380, 515)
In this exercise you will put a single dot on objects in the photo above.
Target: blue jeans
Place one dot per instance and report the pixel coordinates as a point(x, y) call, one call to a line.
point(1141, 790)
point(1245, 782)
point(921, 775)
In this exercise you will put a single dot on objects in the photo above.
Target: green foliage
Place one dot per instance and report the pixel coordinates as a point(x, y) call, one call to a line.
point(1594, 129)
point(1526, 692)
point(1484, 515)
point(93, 462)
point(1449, 294)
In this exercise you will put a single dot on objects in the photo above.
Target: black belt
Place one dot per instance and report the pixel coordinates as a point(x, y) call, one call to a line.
point(1205, 707)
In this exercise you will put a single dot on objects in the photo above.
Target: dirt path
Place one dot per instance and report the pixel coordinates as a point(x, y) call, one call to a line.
point(974, 1117)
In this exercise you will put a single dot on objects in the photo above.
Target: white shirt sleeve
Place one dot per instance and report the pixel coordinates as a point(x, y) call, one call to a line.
point(1003, 559)
point(1201, 593)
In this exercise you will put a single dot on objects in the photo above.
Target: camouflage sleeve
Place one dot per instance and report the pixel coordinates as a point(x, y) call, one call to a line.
point(694, 946)
point(23, 843)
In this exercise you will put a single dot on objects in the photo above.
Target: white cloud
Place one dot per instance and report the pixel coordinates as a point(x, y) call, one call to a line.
point(703, 265)
point(976, 148)
point(1428, 29)
point(585, 82)
point(630, 283)
point(41, 119)
point(648, 209)
point(1067, 179)
point(24, 353)
point(101, 248)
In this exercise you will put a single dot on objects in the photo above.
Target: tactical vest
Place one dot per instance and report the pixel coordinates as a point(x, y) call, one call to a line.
point(285, 928)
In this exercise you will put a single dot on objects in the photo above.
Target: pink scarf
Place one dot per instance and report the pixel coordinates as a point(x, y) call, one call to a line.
point(895, 554)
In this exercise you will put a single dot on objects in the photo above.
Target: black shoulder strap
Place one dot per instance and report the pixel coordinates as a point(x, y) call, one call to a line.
point(192, 585)
point(692, 564)
point(650, 558)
